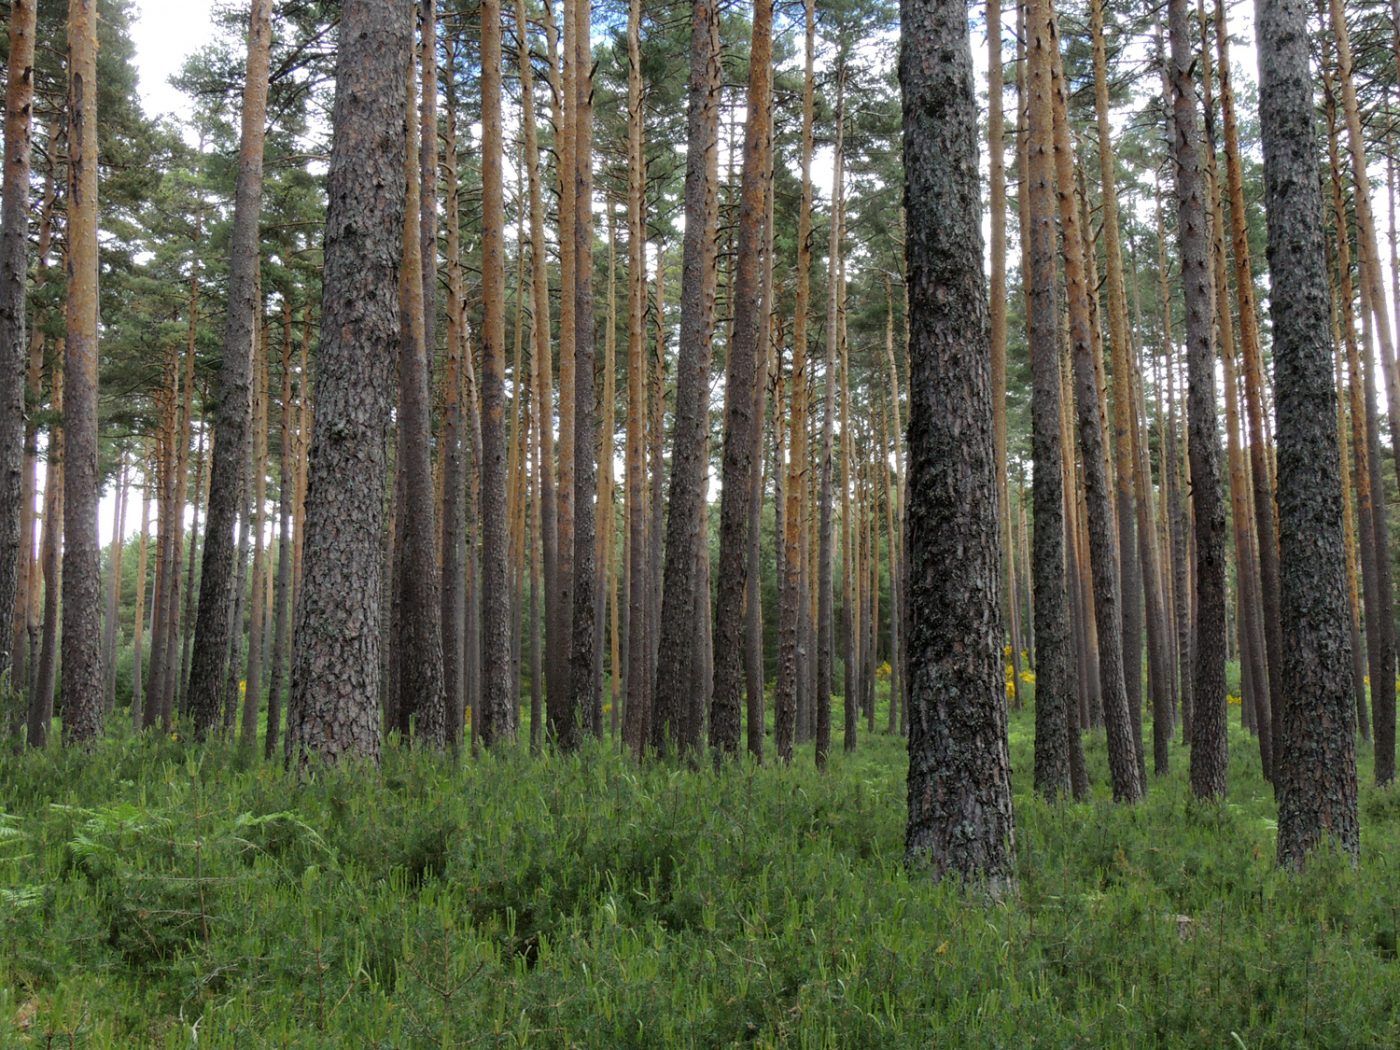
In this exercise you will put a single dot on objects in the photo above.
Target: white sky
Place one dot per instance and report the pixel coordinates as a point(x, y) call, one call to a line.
point(166, 32)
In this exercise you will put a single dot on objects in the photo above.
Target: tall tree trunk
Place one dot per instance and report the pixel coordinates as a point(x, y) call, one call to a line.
point(560, 698)
point(1373, 304)
point(583, 660)
point(252, 695)
point(1122, 752)
point(1253, 646)
point(791, 665)
point(286, 496)
point(14, 267)
point(336, 664)
point(40, 719)
point(1123, 436)
point(678, 626)
point(1055, 677)
point(497, 705)
point(233, 406)
point(542, 363)
point(1208, 731)
point(138, 624)
point(1316, 767)
point(741, 375)
point(959, 774)
point(1260, 472)
point(81, 684)
point(639, 585)
point(824, 627)
point(419, 641)
point(455, 538)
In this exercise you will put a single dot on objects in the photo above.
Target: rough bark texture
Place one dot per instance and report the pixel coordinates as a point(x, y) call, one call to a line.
point(336, 665)
point(584, 677)
point(233, 404)
point(1208, 734)
point(1055, 685)
point(678, 627)
point(959, 773)
point(14, 264)
point(497, 714)
point(1316, 766)
point(741, 374)
point(81, 683)
point(419, 640)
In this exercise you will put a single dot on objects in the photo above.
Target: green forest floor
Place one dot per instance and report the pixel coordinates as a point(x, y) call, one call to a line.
point(151, 895)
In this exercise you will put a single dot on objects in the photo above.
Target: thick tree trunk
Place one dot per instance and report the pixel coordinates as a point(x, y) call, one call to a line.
point(678, 626)
point(336, 664)
point(959, 773)
point(1316, 767)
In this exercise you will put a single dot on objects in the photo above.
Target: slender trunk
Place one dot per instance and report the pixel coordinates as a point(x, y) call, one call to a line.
point(1055, 678)
point(639, 587)
point(14, 266)
point(419, 640)
point(1122, 751)
point(233, 404)
point(541, 358)
point(40, 718)
point(1208, 731)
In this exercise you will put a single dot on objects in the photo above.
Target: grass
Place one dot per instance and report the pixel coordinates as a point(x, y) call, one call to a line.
point(154, 894)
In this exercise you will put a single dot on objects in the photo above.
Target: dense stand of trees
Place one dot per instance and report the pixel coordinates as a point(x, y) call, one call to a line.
point(358, 387)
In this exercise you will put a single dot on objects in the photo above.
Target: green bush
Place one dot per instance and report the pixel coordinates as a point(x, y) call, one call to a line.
point(155, 894)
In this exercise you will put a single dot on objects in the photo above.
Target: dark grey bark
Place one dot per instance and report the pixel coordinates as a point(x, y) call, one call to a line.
point(1055, 679)
point(233, 403)
point(14, 265)
point(679, 627)
point(585, 679)
point(1208, 732)
point(1316, 767)
point(336, 660)
point(959, 773)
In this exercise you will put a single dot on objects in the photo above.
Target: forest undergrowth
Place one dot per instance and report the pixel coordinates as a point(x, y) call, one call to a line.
point(168, 896)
